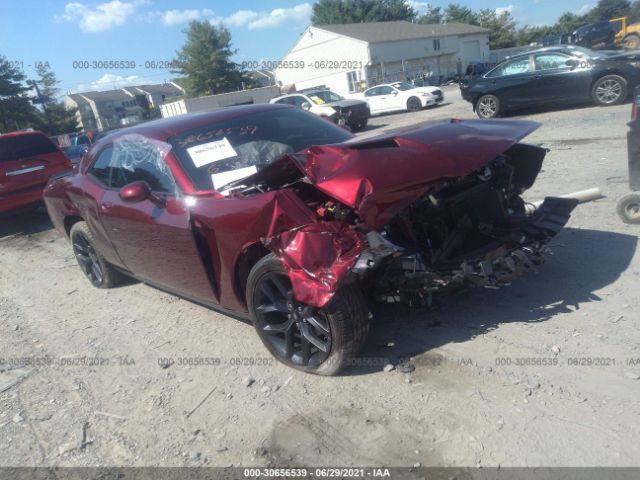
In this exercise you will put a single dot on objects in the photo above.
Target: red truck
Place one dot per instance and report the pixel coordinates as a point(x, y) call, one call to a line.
point(27, 161)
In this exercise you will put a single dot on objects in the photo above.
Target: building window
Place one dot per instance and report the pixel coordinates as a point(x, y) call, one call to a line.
point(352, 78)
point(436, 44)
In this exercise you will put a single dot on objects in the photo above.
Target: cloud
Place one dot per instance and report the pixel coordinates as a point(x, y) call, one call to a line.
point(507, 9)
point(176, 17)
point(585, 9)
point(103, 17)
point(241, 17)
point(110, 81)
point(419, 7)
point(275, 18)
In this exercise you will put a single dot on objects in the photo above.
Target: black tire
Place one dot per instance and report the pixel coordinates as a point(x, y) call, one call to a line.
point(628, 208)
point(357, 127)
point(609, 90)
point(284, 326)
point(632, 42)
point(488, 106)
point(92, 264)
point(414, 104)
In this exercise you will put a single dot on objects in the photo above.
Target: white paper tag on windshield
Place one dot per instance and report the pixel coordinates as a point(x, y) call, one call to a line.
point(221, 179)
point(211, 152)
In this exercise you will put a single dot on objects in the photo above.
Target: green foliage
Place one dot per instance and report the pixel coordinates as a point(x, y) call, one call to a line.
point(16, 110)
point(608, 9)
point(502, 28)
point(326, 12)
point(55, 119)
point(634, 11)
point(205, 62)
point(459, 13)
point(433, 15)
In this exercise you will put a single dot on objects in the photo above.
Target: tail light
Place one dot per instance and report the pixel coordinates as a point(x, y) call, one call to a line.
point(636, 107)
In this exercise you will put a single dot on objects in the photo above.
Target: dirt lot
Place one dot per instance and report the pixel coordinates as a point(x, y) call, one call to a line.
point(495, 380)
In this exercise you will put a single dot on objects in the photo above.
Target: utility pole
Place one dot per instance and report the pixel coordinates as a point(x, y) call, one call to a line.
point(43, 100)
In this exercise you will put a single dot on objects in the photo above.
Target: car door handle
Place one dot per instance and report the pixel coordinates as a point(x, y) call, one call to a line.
point(106, 206)
point(24, 170)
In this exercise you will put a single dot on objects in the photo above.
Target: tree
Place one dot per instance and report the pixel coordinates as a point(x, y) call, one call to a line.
point(205, 60)
point(433, 15)
point(634, 11)
point(608, 9)
point(16, 110)
point(57, 118)
point(327, 12)
point(528, 34)
point(569, 22)
point(502, 28)
point(459, 13)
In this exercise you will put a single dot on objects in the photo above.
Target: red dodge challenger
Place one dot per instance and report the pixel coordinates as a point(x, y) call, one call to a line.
point(269, 213)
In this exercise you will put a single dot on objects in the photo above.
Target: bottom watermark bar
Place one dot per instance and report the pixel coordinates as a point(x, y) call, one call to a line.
point(245, 473)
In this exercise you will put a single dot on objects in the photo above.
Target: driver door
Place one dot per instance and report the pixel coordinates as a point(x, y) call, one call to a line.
point(153, 236)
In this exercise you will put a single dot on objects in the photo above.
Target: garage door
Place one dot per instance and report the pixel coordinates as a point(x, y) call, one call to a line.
point(471, 51)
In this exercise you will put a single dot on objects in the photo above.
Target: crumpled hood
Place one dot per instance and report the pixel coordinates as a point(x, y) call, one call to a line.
point(381, 176)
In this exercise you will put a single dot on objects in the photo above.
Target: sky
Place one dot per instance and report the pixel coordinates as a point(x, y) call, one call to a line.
point(72, 35)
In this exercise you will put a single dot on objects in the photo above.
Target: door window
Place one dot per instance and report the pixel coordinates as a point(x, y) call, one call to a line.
point(551, 61)
point(130, 160)
point(514, 67)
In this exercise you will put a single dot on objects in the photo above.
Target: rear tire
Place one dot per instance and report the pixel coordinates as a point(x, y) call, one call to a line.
point(632, 42)
point(488, 106)
point(628, 208)
point(92, 264)
point(609, 90)
point(284, 325)
point(414, 104)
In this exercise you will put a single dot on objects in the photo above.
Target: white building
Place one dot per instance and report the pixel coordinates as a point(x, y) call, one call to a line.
point(345, 57)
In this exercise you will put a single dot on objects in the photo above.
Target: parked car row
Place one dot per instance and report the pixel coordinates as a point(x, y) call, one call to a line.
point(355, 110)
point(553, 76)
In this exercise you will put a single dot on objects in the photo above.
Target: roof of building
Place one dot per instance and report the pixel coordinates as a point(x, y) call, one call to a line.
point(376, 32)
point(158, 88)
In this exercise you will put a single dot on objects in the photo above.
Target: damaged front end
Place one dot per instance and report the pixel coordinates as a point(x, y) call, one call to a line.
point(411, 215)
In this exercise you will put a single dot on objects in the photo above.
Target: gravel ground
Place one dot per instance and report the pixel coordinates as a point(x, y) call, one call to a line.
point(495, 379)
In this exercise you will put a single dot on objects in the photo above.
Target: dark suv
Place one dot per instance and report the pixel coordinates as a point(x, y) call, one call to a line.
point(594, 34)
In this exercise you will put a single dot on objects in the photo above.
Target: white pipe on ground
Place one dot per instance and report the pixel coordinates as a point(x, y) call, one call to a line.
point(583, 196)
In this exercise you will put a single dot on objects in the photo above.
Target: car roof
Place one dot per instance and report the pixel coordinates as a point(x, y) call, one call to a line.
point(165, 128)
point(22, 133)
point(552, 48)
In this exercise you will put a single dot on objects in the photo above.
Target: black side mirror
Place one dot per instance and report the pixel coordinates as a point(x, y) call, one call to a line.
point(573, 63)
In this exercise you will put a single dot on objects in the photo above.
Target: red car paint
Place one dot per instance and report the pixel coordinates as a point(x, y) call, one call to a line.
point(162, 244)
point(27, 161)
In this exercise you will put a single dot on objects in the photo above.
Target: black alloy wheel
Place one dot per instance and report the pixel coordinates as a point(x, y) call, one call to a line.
point(88, 259)
point(414, 104)
point(298, 333)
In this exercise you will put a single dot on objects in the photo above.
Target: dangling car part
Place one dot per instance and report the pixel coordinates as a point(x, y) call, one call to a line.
point(269, 213)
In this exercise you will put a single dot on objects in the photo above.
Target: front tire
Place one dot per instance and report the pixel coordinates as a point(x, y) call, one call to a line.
point(609, 90)
point(488, 106)
point(92, 264)
point(414, 104)
point(322, 341)
point(628, 208)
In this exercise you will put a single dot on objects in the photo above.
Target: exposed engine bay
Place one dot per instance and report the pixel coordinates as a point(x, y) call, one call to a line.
point(408, 234)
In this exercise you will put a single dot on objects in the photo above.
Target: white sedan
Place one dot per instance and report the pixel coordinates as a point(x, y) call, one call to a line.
point(396, 96)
